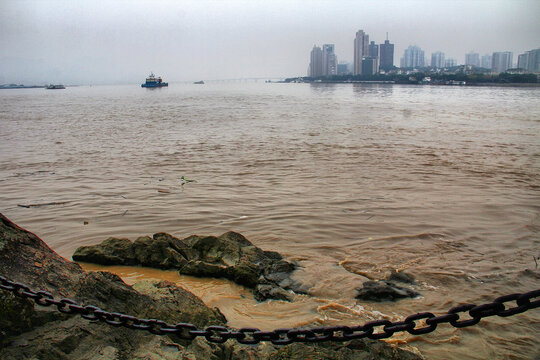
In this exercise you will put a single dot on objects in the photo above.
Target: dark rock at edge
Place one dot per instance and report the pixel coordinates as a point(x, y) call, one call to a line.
point(384, 291)
point(229, 256)
point(29, 331)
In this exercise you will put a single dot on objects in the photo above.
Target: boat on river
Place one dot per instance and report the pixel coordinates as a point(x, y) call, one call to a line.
point(152, 82)
point(55, 87)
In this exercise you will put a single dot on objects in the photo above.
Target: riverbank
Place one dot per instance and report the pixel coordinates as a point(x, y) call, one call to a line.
point(32, 331)
point(523, 85)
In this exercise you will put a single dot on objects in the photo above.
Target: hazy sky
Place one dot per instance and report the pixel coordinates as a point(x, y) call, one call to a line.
point(85, 41)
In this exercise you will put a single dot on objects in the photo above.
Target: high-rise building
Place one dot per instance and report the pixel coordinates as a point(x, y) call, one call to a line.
point(437, 60)
point(523, 61)
point(386, 55)
point(316, 62)
point(370, 65)
point(450, 63)
point(485, 62)
point(533, 62)
point(473, 59)
point(344, 68)
point(373, 50)
point(530, 61)
point(329, 60)
point(413, 57)
point(361, 50)
point(501, 61)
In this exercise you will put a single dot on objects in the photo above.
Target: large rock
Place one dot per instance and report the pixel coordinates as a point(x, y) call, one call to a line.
point(229, 256)
point(384, 291)
point(29, 331)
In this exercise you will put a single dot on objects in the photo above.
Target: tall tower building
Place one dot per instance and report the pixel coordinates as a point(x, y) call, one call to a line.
point(530, 61)
point(370, 65)
point(413, 57)
point(523, 60)
point(473, 59)
point(373, 50)
point(386, 55)
point(501, 61)
point(329, 60)
point(450, 63)
point(361, 49)
point(316, 62)
point(485, 61)
point(437, 60)
point(533, 61)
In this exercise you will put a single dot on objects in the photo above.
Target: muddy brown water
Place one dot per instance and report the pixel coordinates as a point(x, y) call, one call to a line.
point(349, 180)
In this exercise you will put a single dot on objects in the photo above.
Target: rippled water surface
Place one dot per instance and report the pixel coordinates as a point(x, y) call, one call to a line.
point(351, 181)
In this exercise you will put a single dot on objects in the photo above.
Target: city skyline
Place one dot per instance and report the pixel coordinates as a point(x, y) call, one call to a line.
point(371, 58)
point(121, 42)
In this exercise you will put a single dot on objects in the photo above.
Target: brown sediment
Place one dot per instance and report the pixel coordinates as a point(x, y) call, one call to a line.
point(73, 337)
point(451, 175)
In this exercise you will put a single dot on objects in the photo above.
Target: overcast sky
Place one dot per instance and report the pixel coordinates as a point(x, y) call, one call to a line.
point(85, 41)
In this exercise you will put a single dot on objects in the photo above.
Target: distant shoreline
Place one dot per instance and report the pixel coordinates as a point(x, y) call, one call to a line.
point(11, 87)
point(416, 84)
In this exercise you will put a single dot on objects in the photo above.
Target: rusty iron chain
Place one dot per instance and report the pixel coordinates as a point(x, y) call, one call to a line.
point(379, 329)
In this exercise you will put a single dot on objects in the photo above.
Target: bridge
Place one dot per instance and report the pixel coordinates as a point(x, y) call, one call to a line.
point(242, 80)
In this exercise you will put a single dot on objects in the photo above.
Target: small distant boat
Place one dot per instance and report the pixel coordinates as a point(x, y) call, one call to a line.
point(55, 87)
point(152, 82)
point(199, 82)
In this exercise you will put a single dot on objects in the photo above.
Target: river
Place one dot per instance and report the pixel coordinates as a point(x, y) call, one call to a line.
point(349, 180)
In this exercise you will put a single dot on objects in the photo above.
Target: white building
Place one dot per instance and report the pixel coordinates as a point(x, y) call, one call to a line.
point(437, 60)
point(413, 57)
point(473, 59)
point(329, 60)
point(485, 62)
point(361, 50)
point(530, 61)
point(501, 61)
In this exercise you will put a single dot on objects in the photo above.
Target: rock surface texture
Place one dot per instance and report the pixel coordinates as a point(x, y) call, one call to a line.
point(383, 290)
point(30, 331)
point(229, 256)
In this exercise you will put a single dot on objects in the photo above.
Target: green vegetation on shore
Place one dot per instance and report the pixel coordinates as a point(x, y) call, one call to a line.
point(437, 78)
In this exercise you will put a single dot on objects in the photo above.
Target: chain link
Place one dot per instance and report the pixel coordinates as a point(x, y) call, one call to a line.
point(220, 334)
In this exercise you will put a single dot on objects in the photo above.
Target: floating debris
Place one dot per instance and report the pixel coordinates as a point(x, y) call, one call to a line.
point(183, 180)
point(44, 204)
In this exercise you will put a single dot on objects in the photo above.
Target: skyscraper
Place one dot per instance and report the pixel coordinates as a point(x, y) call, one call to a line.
point(450, 63)
point(501, 61)
point(533, 61)
point(437, 60)
point(386, 55)
point(316, 62)
point(370, 65)
point(412, 57)
point(485, 62)
point(373, 50)
point(344, 68)
point(523, 60)
point(530, 61)
point(361, 49)
point(473, 59)
point(329, 60)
